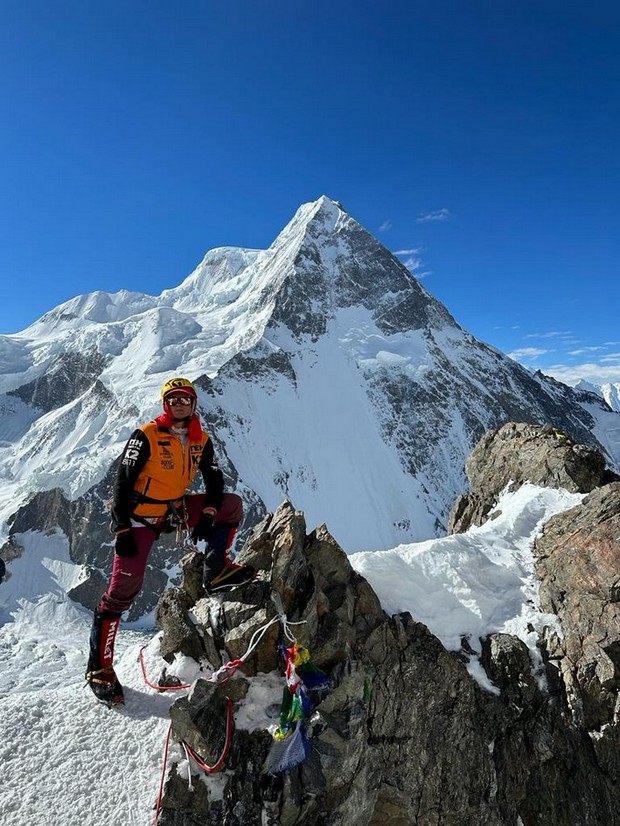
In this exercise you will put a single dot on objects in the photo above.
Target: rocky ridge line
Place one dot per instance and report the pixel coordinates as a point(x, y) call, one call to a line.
point(405, 736)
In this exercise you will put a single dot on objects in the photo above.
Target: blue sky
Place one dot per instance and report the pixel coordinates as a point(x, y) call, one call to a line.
point(484, 136)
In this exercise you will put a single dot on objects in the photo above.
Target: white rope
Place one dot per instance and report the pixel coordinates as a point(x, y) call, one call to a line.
point(277, 601)
point(258, 634)
point(189, 766)
point(225, 670)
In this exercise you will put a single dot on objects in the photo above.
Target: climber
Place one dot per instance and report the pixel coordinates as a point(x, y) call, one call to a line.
point(157, 466)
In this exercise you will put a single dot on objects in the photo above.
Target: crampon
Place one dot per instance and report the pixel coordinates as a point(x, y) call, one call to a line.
point(105, 686)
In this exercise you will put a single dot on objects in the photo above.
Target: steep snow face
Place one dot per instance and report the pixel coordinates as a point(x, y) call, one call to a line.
point(370, 430)
point(307, 431)
point(327, 372)
point(611, 394)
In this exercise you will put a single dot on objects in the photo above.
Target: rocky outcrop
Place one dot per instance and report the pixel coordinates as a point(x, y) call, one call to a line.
point(64, 379)
point(403, 736)
point(516, 453)
point(578, 558)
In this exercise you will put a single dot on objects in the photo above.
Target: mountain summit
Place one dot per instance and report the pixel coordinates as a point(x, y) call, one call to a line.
point(328, 376)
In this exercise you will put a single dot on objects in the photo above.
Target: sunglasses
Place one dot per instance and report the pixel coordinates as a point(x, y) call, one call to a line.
point(186, 401)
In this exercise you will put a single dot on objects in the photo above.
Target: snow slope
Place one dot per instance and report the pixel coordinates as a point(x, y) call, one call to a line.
point(62, 752)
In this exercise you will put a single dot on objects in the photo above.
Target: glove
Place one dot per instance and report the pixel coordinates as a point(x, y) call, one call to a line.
point(125, 544)
point(204, 526)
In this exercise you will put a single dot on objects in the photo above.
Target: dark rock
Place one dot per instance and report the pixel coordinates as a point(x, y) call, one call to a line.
point(88, 592)
point(179, 632)
point(507, 662)
point(193, 564)
point(238, 635)
point(182, 806)
point(45, 511)
point(251, 795)
point(66, 378)
point(11, 549)
point(200, 720)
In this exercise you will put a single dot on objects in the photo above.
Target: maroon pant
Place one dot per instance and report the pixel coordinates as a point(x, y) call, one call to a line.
point(128, 571)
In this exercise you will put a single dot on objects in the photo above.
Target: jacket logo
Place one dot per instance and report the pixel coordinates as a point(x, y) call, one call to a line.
point(166, 456)
point(195, 452)
point(132, 452)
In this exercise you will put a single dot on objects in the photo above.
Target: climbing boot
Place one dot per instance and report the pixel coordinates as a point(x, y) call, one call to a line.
point(220, 573)
point(100, 674)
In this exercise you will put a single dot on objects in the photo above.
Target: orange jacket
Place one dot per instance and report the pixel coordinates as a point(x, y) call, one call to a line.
point(168, 471)
point(156, 469)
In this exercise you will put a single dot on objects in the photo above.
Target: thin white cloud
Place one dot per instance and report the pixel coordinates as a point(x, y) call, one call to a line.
point(585, 350)
point(438, 215)
point(414, 265)
point(385, 226)
point(413, 262)
point(590, 371)
point(604, 368)
point(550, 334)
point(527, 353)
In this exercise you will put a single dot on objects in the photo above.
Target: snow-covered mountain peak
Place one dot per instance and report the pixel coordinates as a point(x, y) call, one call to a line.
point(322, 214)
point(328, 375)
point(98, 307)
point(610, 392)
point(324, 261)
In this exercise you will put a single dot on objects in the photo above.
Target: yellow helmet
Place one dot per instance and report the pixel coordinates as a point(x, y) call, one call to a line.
point(178, 383)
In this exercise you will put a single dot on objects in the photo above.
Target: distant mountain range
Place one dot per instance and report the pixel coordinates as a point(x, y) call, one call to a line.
point(610, 392)
point(328, 375)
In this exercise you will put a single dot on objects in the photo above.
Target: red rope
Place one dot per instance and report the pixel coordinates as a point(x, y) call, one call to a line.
point(229, 669)
point(220, 761)
point(163, 775)
point(196, 757)
point(153, 685)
